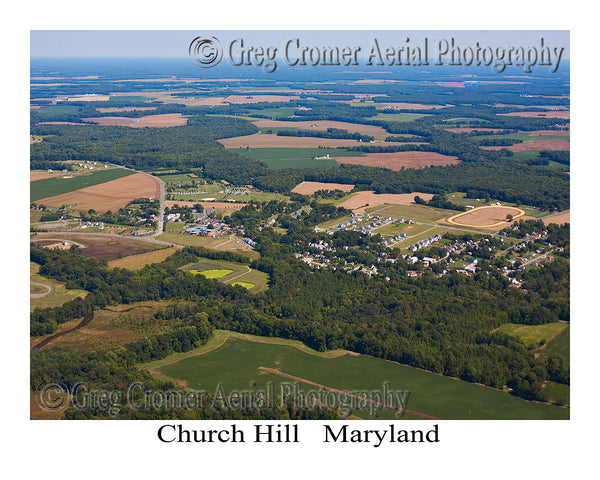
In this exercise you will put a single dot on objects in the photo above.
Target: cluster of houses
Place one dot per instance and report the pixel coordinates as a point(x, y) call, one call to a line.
point(424, 243)
point(250, 242)
point(375, 221)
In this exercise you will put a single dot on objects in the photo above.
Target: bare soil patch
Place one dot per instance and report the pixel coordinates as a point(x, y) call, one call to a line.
point(308, 188)
point(109, 195)
point(400, 160)
point(163, 120)
point(368, 199)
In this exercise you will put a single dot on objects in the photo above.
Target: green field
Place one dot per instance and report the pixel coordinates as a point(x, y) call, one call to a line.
point(559, 345)
point(296, 157)
point(53, 110)
point(49, 187)
point(398, 117)
point(235, 360)
point(534, 335)
point(414, 212)
point(216, 273)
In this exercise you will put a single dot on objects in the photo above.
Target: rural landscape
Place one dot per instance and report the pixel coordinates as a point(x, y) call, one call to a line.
point(218, 231)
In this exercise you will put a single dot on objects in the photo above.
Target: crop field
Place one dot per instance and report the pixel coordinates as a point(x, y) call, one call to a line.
point(413, 211)
point(45, 292)
point(111, 195)
point(296, 157)
point(136, 262)
point(230, 273)
point(269, 140)
point(322, 125)
point(163, 120)
point(398, 117)
point(486, 217)
point(398, 161)
point(363, 200)
point(99, 246)
point(548, 144)
point(51, 187)
point(124, 109)
point(559, 345)
point(564, 114)
point(235, 361)
point(308, 188)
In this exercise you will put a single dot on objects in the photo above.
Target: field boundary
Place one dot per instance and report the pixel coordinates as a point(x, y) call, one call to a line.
point(453, 218)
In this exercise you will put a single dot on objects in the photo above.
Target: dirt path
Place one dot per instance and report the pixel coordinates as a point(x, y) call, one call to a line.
point(276, 371)
point(40, 295)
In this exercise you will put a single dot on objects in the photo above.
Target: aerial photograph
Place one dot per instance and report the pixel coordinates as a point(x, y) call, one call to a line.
point(299, 225)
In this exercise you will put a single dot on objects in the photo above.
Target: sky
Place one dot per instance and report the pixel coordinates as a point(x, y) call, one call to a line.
point(175, 43)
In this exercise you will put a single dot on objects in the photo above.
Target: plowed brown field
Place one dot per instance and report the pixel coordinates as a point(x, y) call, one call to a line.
point(400, 160)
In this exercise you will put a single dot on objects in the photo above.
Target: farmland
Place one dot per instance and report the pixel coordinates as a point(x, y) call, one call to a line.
point(166, 120)
point(140, 260)
point(400, 160)
point(110, 195)
point(51, 187)
point(308, 188)
point(98, 246)
point(296, 157)
point(235, 361)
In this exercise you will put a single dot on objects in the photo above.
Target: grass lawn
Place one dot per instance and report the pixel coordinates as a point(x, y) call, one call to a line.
point(236, 361)
point(532, 335)
point(413, 212)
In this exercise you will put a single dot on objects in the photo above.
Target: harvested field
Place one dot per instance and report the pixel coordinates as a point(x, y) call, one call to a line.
point(109, 195)
point(164, 120)
point(124, 109)
point(136, 262)
point(537, 145)
point(215, 205)
point(308, 188)
point(33, 176)
point(363, 200)
point(564, 114)
point(400, 160)
point(559, 219)
point(322, 125)
point(493, 217)
point(262, 140)
point(553, 133)
point(89, 98)
point(98, 246)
